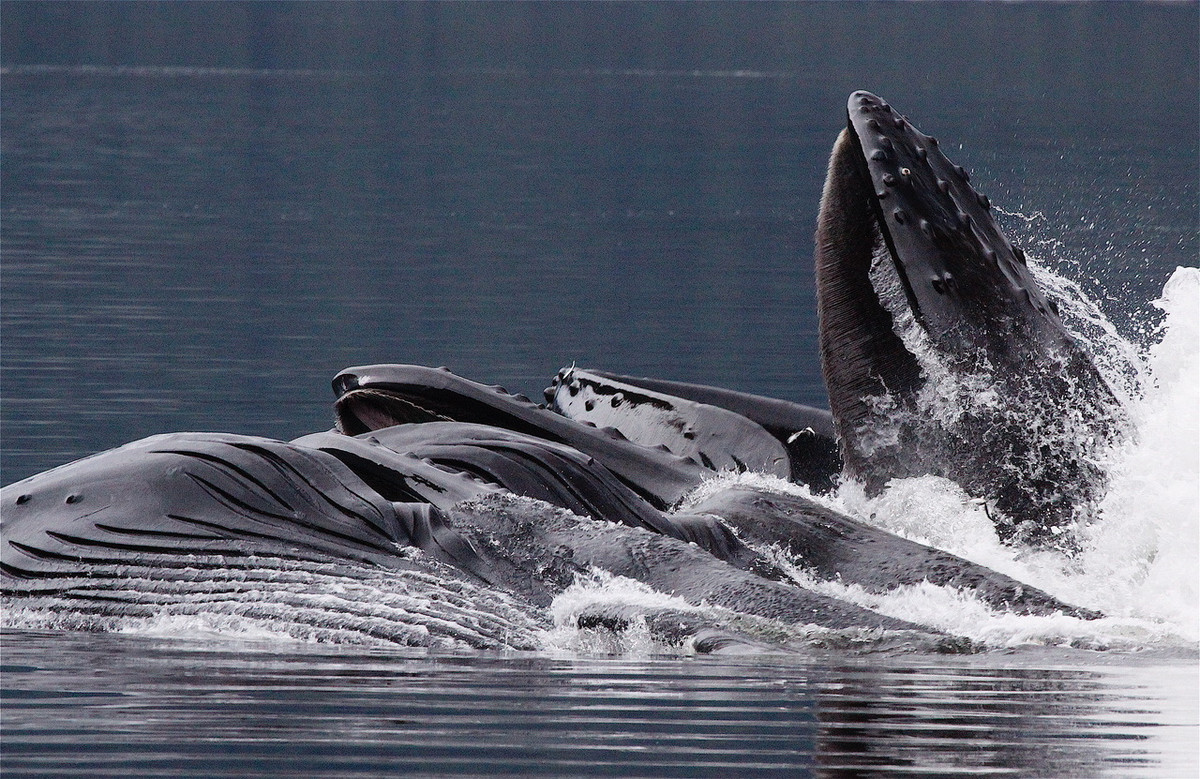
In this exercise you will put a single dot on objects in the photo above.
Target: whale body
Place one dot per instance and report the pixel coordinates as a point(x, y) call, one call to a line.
point(444, 511)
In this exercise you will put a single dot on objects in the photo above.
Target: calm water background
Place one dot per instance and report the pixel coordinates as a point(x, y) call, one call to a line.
point(206, 210)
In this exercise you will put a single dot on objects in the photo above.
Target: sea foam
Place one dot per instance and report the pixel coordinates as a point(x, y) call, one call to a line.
point(1138, 561)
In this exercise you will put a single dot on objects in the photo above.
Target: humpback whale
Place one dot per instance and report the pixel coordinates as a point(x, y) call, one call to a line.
point(940, 354)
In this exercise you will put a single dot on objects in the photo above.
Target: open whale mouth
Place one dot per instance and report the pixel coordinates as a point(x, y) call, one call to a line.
point(904, 238)
point(375, 397)
point(361, 410)
point(921, 298)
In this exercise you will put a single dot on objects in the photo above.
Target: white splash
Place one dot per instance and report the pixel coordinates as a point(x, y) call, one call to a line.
point(1140, 560)
point(1144, 552)
point(600, 588)
point(1141, 555)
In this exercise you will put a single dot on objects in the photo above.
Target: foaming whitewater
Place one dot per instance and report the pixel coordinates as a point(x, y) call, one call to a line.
point(1144, 551)
point(1137, 559)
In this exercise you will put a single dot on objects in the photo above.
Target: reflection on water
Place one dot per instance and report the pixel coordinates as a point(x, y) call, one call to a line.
point(138, 706)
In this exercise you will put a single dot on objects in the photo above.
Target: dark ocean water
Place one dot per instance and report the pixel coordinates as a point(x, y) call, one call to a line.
point(207, 210)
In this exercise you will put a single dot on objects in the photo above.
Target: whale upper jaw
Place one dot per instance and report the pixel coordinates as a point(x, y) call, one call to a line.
point(901, 221)
point(960, 274)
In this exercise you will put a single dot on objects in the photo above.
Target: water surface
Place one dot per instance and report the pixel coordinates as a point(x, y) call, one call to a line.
point(139, 706)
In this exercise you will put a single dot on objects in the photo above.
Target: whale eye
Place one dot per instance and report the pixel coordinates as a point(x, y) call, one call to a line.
point(22, 499)
point(905, 172)
point(74, 498)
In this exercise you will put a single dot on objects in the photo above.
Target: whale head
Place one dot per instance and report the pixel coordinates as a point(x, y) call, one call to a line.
point(940, 352)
